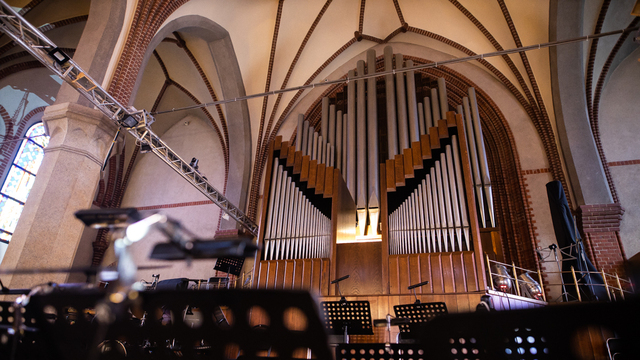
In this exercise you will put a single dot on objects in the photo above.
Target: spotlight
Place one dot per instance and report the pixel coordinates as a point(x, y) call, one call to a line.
point(129, 121)
point(145, 148)
point(59, 56)
point(194, 163)
point(108, 218)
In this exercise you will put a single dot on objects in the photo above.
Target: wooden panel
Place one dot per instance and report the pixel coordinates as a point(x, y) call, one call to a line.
point(343, 217)
point(436, 273)
point(324, 279)
point(304, 172)
point(447, 273)
point(403, 271)
point(320, 179)
point(458, 272)
point(394, 283)
point(414, 271)
point(434, 139)
point(262, 275)
point(425, 273)
point(361, 262)
point(425, 146)
point(451, 118)
point(289, 267)
point(443, 129)
point(408, 163)
point(279, 281)
point(470, 271)
point(277, 143)
point(313, 165)
point(297, 274)
point(306, 274)
point(328, 182)
point(271, 274)
point(284, 150)
point(316, 272)
point(291, 156)
point(297, 163)
point(399, 170)
point(416, 155)
point(390, 175)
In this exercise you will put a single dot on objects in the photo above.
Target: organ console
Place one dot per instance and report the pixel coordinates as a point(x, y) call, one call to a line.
point(415, 173)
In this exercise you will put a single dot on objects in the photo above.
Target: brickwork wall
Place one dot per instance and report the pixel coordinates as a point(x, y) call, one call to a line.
point(600, 227)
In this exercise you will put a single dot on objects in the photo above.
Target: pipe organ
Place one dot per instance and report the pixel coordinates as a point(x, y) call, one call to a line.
point(391, 156)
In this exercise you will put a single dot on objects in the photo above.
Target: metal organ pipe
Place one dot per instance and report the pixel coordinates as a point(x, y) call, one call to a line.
point(412, 105)
point(482, 154)
point(305, 138)
point(314, 151)
point(331, 137)
point(401, 101)
point(473, 155)
point(442, 94)
point(435, 107)
point(421, 119)
point(392, 127)
point(324, 120)
point(338, 143)
point(361, 160)
point(373, 181)
point(351, 135)
point(426, 102)
point(345, 146)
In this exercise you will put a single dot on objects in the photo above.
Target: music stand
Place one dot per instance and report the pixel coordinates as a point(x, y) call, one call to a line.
point(418, 314)
point(229, 265)
point(205, 338)
point(347, 318)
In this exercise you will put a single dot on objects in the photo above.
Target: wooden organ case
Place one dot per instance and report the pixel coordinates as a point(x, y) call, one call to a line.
point(428, 197)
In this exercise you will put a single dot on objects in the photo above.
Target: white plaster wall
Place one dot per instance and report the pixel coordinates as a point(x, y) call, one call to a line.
point(250, 24)
point(620, 136)
point(154, 183)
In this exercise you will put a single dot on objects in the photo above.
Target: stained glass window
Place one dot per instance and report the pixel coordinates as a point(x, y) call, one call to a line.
point(19, 181)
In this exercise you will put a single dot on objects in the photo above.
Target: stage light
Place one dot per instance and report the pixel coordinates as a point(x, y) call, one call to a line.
point(145, 148)
point(59, 56)
point(107, 218)
point(129, 121)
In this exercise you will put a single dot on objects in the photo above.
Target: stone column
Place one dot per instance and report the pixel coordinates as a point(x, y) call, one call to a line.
point(48, 234)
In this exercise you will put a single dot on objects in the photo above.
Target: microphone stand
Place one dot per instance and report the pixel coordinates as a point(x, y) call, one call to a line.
point(413, 287)
point(343, 302)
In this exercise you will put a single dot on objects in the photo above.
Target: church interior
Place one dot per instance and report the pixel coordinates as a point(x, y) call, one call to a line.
point(445, 179)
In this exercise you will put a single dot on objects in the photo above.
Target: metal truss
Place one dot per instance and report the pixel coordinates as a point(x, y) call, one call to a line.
point(136, 122)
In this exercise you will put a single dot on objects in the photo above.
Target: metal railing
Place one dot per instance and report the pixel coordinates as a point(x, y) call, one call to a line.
point(509, 279)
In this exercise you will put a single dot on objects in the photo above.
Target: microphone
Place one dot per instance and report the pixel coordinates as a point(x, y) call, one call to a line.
point(413, 287)
point(340, 279)
point(418, 285)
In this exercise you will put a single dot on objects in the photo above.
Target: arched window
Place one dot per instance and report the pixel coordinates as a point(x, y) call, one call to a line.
point(17, 185)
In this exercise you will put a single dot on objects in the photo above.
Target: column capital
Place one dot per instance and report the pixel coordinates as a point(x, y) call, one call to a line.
point(79, 129)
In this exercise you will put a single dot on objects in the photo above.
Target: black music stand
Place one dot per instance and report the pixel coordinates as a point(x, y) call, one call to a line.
point(418, 313)
point(229, 265)
point(381, 352)
point(205, 338)
point(347, 318)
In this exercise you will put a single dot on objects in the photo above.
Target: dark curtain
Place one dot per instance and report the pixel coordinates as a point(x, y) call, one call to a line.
point(573, 254)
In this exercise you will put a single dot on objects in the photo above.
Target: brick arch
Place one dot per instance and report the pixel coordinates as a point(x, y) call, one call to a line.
point(238, 170)
point(510, 199)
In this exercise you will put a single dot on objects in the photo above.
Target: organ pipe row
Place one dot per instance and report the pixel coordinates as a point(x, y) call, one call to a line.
point(434, 218)
point(295, 229)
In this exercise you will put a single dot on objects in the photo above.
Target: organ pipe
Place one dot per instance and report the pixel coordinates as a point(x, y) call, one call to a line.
point(412, 105)
point(373, 180)
point(392, 127)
